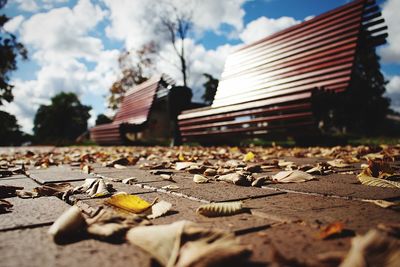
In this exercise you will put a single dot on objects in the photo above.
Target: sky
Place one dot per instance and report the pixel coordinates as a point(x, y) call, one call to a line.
point(74, 45)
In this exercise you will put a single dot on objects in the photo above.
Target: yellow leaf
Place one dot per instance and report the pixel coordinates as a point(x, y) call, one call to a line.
point(181, 157)
point(129, 202)
point(249, 156)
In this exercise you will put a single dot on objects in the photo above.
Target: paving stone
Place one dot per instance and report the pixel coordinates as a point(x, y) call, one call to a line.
point(340, 185)
point(185, 209)
point(314, 210)
point(293, 241)
point(23, 181)
point(140, 175)
point(28, 212)
point(57, 174)
point(34, 247)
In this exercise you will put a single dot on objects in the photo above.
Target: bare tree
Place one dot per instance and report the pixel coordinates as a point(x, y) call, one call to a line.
point(178, 23)
point(133, 72)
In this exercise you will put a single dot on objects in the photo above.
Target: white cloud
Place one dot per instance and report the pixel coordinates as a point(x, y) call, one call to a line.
point(136, 22)
point(391, 52)
point(14, 24)
point(36, 5)
point(393, 92)
point(263, 27)
point(63, 41)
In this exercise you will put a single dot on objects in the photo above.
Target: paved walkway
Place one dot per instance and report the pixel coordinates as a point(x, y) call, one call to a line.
point(284, 218)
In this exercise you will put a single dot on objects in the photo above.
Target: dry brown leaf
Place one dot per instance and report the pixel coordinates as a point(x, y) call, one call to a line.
point(234, 178)
point(9, 190)
point(260, 181)
point(220, 209)
point(292, 177)
point(159, 209)
point(199, 179)
point(338, 163)
point(366, 179)
point(332, 229)
point(5, 206)
point(373, 249)
point(94, 187)
point(130, 180)
point(70, 224)
point(186, 244)
point(210, 172)
point(170, 187)
point(179, 166)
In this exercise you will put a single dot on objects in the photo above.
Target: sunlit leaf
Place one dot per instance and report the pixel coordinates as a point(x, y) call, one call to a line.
point(249, 156)
point(382, 203)
point(130, 203)
point(159, 209)
point(330, 230)
point(366, 179)
point(220, 209)
point(292, 177)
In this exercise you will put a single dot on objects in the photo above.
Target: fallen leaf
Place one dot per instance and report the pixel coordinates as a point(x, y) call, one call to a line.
point(199, 179)
point(70, 224)
point(253, 168)
point(112, 226)
point(374, 248)
point(9, 190)
point(366, 179)
point(130, 180)
point(382, 203)
point(249, 156)
point(260, 181)
point(181, 157)
point(167, 177)
point(338, 163)
point(179, 166)
point(119, 166)
point(234, 178)
point(332, 229)
point(170, 187)
point(209, 172)
point(94, 187)
point(5, 206)
point(159, 209)
point(186, 244)
point(292, 177)
point(130, 203)
point(220, 209)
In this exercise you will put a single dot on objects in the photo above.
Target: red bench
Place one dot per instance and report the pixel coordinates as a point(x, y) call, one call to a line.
point(134, 117)
point(270, 85)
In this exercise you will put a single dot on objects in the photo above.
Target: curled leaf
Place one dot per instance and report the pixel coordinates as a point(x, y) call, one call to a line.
point(292, 177)
point(374, 248)
point(9, 190)
point(331, 230)
point(199, 179)
point(366, 179)
point(220, 209)
point(94, 187)
point(338, 163)
point(234, 178)
point(260, 181)
point(159, 209)
point(130, 203)
point(5, 206)
point(179, 166)
point(70, 224)
point(130, 180)
point(184, 243)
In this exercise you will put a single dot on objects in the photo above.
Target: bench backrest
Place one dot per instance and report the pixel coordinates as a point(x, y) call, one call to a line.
point(317, 53)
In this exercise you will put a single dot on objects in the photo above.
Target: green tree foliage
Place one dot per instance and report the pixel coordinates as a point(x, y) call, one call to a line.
point(62, 121)
point(10, 48)
point(133, 72)
point(210, 88)
point(10, 133)
point(362, 108)
point(102, 119)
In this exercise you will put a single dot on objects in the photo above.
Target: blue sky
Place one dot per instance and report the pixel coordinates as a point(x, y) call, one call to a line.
point(74, 45)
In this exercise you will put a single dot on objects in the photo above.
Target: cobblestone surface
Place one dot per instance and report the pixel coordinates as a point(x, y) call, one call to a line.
point(281, 218)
